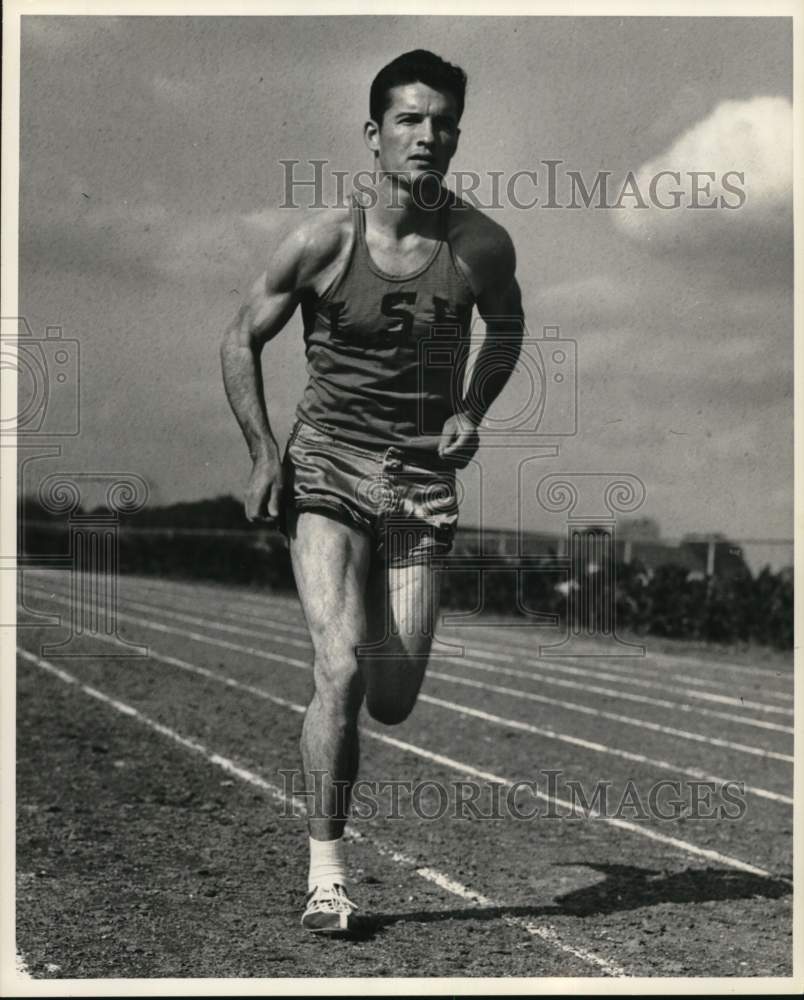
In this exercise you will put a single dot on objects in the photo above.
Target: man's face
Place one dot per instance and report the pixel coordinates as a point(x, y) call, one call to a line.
point(419, 132)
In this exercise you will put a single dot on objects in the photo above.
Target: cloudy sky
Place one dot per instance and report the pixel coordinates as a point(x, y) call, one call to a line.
point(151, 188)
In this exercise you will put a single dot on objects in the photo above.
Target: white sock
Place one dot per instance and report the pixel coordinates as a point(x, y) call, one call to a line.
point(327, 864)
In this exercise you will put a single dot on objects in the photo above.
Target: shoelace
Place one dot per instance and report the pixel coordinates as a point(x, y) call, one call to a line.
point(335, 900)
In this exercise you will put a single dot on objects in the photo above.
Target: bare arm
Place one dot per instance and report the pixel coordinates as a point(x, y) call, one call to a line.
point(499, 302)
point(500, 305)
point(269, 306)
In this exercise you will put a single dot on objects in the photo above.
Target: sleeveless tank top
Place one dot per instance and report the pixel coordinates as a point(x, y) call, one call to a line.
point(386, 354)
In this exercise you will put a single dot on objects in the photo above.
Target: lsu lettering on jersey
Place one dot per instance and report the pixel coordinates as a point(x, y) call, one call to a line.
point(386, 354)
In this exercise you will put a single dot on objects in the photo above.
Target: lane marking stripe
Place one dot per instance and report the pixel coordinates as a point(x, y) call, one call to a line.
point(467, 769)
point(616, 717)
point(613, 672)
point(637, 758)
point(560, 682)
point(467, 710)
point(443, 881)
point(513, 641)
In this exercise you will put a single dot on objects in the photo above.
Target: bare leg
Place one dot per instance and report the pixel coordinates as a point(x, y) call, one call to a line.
point(331, 565)
point(402, 607)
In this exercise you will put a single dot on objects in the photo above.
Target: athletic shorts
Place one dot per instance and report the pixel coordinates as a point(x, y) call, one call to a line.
point(409, 511)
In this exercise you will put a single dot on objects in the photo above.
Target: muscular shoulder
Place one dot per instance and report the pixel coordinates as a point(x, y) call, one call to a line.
point(482, 246)
point(310, 248)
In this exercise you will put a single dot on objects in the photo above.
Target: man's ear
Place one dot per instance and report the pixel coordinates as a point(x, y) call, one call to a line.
point(457, 138)
point(371, 135)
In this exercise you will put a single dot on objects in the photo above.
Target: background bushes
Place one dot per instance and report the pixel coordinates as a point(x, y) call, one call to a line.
point(667, 600)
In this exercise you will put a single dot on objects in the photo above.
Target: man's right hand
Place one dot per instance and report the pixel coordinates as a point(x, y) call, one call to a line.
point(264, 490)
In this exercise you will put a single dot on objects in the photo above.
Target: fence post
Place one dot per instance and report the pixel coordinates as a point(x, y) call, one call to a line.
point(710, 558)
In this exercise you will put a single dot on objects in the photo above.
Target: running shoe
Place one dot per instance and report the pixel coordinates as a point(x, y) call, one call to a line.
point(330, 911)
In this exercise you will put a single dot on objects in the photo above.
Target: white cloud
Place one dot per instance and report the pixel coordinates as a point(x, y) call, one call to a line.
point(753, 138)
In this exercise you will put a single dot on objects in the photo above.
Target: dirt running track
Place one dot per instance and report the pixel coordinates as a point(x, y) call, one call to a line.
point(154, 840)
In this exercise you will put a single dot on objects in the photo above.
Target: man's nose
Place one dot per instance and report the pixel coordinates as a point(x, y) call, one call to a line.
point(426, 134)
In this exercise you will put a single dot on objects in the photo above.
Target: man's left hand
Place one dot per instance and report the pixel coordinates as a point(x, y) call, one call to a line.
point(459, 440)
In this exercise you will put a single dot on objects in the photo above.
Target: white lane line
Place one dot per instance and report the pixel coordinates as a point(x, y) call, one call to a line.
point(636, 758)
point(621, 824)
point(465, 769)
point(508, 671)
point(614, 672)
point(547, 666)
point(198, 636)
point(513, 641)
point(517, 644)
point(547, 933)
point(544, 931)
point(617, 693)
point(466, 710)
point(600, 713)
point(653, 659)
point(528, 675)
point(213, 623)
point(761, 706)
point(722, 665)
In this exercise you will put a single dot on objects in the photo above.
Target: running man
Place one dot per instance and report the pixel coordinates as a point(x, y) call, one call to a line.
point(365, 491)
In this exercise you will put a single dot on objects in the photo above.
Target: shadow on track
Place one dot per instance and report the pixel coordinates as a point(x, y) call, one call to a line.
point(624, 888)
point(628, 888)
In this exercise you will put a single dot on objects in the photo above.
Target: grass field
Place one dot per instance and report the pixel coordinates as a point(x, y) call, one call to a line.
point(156, 836)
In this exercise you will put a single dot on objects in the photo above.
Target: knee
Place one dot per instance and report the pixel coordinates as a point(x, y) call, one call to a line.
point(389, 713)
point(338, 684)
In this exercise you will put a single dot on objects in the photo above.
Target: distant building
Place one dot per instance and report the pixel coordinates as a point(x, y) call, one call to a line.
point(637, 541)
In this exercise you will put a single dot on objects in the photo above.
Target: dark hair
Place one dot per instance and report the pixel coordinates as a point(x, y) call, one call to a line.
point(418, 66)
